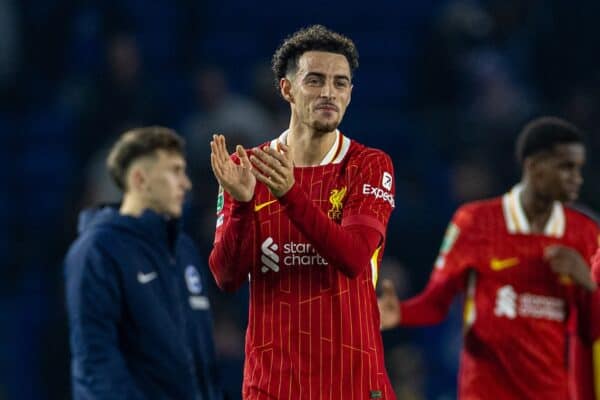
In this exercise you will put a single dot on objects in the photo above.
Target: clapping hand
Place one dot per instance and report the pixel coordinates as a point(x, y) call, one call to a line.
point(273, 168)
point(236, 179)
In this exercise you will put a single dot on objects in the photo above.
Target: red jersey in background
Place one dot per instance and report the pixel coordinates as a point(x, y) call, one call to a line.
point(518, 313)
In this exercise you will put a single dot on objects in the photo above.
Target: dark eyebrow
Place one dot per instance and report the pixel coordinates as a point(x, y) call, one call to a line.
point(317, 74)
point(320, 75)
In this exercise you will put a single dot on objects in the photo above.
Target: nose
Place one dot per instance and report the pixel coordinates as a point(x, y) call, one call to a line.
point(327, 90)
point(187, 183)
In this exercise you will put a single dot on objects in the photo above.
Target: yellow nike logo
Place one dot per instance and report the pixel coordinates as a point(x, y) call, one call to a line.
point(258, 207)
point(499, 264)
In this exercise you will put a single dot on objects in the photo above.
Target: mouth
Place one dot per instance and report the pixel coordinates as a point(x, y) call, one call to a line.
point(573, 191)
point(327, 107)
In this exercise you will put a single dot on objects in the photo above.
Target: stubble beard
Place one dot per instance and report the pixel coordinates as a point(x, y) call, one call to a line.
point(325, 127)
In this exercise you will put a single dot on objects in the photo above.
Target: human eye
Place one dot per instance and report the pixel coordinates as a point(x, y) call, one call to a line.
point(313, 80)
point(342, 83)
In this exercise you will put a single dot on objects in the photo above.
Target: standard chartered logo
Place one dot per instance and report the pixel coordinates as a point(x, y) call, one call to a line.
point(270, 259)
point(510, 304)
point(506, 302)
point(294, 254)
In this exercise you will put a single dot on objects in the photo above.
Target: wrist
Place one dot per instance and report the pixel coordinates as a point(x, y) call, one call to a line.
point(240, 207)
point(289, 195)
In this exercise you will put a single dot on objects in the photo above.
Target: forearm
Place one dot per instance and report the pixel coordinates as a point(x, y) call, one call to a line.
point(231, 255)
point(347, 248)
point(430, 306)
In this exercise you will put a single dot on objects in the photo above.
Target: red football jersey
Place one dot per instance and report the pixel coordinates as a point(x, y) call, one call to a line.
point(596, 264)
point(518, 313)
point(313, 331)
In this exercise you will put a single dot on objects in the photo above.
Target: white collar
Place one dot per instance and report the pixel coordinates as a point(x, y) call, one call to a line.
point(336, 153)
point(516, 220)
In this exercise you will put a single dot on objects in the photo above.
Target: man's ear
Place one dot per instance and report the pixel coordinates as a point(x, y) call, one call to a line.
point(137, 178)
point(531, 164)
point(285, 87)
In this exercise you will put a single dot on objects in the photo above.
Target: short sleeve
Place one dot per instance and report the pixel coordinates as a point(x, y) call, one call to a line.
point(371, 193)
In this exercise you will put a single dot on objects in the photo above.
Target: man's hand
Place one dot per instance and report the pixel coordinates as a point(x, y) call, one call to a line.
point(389, 306)
point(237, 180)
point(273, 168)
point(566, 261)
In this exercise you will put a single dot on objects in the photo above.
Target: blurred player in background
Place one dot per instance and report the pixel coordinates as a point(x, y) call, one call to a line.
point(305, 217)
point(139, 319)
point(522, 262)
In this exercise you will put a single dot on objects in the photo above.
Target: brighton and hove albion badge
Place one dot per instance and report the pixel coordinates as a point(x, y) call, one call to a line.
point(193, 280)
point(336, 199)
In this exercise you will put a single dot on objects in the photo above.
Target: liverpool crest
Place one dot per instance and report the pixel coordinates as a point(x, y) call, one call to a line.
point(335, 199)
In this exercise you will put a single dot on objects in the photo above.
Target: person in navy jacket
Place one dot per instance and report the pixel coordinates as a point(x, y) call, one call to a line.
point(139, 319)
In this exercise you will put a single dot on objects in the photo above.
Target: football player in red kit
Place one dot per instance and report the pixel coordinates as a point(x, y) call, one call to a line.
point(522, 262)
point(304, 216)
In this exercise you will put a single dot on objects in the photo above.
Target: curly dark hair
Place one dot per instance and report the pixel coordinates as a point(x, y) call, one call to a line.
point(312, 38)
point(542, 134)
point(138, 143)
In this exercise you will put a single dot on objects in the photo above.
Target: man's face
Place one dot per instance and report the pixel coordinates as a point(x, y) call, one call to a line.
point(557, 174)
point(166, 183)
point(321, 89)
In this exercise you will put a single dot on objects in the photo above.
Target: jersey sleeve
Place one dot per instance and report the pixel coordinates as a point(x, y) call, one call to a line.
point(449, 274)
point(371, 192)
point(232, 254)
point(459, 247)
point(596, 265)
point(351, 244)
point(349, 249)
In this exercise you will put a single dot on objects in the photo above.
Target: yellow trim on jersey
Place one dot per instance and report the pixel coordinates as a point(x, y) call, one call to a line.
point(517, 212)
point(336, 153)
point(343, 150)
point(469, 311)
point(516, 219)
point(596, 361)
point(375, 266)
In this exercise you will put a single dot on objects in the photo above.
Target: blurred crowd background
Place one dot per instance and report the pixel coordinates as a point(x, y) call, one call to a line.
point(443, 87)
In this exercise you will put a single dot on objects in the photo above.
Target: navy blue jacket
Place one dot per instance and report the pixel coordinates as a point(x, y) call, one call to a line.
point(139, 319)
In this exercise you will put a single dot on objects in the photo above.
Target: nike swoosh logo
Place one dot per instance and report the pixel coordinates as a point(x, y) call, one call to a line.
point(145, 278)
point(497, 264)
point(260, 206)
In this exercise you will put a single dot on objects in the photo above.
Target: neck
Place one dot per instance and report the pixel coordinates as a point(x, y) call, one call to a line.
point(132, 205)
point(307, 146)
point(537, 208)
